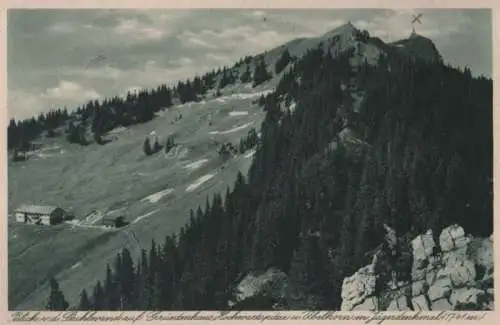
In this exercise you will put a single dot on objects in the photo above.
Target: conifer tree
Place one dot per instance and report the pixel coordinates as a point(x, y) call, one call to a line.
point(246, 76)
point(85, 303)
point(56, 298)
point(147, 147)
point(260, 74)
point(99, 297)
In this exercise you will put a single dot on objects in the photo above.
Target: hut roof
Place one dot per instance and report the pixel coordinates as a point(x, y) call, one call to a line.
point(36, 209)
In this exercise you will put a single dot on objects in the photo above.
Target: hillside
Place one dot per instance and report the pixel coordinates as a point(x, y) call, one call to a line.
point(354, 134)
point(154, 193)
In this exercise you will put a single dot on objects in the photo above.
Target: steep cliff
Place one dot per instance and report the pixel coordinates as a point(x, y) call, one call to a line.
point(457, 274)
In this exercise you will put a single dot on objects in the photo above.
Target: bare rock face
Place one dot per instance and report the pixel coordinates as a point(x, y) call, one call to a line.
point(458, 278)
point(452, 238)
point(272, 283)
point(423, 246)
point(357, 287)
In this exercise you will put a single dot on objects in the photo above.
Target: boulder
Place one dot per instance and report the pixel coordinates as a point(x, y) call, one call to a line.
point(358, 286)
point(451, 236)
point(420, 303)
point(440, 289)
point(430, 276)
point(466, 296)
point(418, 288)
point(462, 274)
point(423, 246)
point(418, 274)
point(273, 282)
point(455, 256)
point(441, 304)
point(480, 251)
point(368, 304)
point(398, 304)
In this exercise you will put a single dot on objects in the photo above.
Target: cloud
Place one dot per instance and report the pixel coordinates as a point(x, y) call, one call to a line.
point(140, 31)
point(191, 40)
point(392, 25)
point(61, 28)
point(217, 57)
point(239, 40)
point(106, 72)
point(24, 104)
point(69, 90)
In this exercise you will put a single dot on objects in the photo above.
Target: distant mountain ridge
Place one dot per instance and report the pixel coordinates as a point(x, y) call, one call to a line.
point(347, 36)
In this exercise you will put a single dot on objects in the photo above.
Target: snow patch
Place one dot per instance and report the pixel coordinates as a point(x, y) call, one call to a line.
point(250, 154)
point(117, 130)
point(183, 153)
point(73, 222)
point(76, 265)
point(43, 156)
point(162, 113)
point(238, 128)
point(91, 218)
point(199, 182)
point(238, 113)
point(177, 151)
point(222, 99)
point(153, 198)
point(196, 164)
point(51, 148)
point(145, 216)
point(253, 95)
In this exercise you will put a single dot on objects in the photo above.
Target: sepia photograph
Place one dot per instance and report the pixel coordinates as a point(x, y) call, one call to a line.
point(249, 159)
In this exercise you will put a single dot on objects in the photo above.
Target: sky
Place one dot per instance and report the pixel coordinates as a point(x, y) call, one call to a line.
point(64, 58)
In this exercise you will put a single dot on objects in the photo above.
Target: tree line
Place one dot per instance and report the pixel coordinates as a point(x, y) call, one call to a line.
point(99, 117)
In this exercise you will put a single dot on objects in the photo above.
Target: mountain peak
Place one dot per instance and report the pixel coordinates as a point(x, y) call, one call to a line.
point(344, 29)
point(419, 46)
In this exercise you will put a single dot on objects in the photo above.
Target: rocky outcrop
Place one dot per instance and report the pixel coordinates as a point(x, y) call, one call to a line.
point(271, 283)
point(454, 274)
point(419, 47)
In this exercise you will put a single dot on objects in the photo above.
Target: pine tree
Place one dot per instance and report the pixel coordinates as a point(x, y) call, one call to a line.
point(283, 61)
point(99, 297)
point(56, 299)
point(260, 74)
point(127, 281)
point(147, 147)
point(85, 303)
point(246, 76)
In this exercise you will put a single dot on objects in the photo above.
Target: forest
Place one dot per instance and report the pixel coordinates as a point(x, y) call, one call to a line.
point(423, 160)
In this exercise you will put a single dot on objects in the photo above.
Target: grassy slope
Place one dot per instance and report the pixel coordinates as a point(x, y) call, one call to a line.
point(117, 175)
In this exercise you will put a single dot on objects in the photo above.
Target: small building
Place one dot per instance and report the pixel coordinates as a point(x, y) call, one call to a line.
point(39, 214)
point(113, 221)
